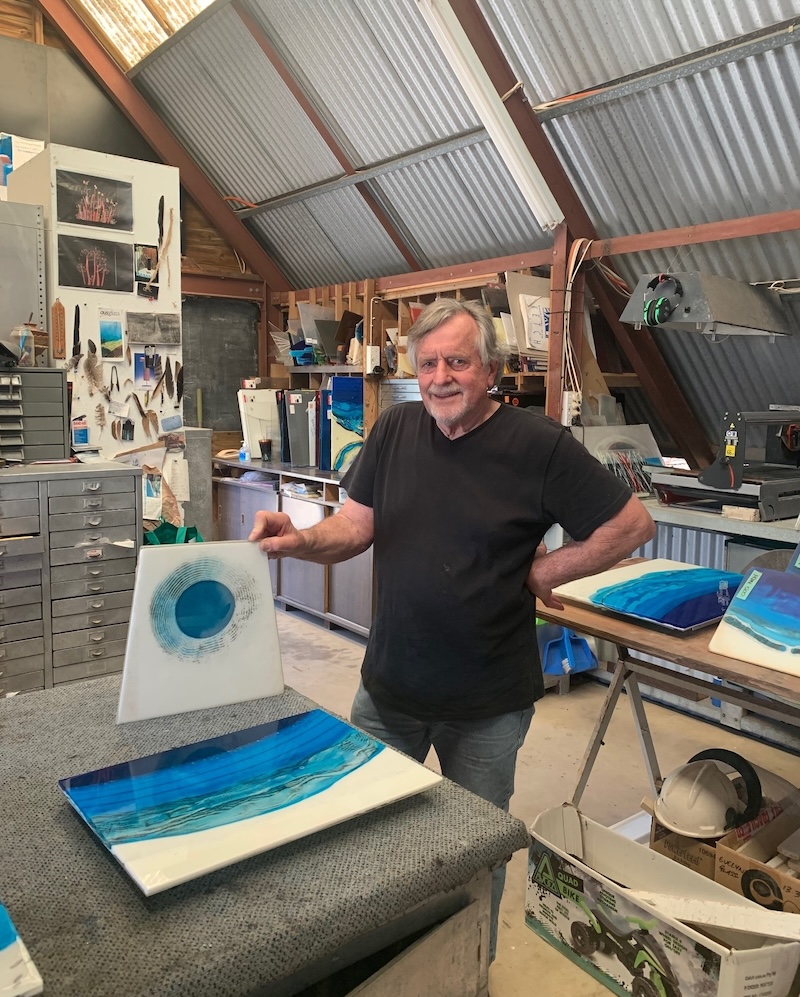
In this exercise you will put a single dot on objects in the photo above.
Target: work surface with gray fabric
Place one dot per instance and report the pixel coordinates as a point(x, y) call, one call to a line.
point(250, 926)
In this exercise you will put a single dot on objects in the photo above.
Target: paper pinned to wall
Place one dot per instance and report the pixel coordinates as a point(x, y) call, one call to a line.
point(176, 472)
point(153, 327)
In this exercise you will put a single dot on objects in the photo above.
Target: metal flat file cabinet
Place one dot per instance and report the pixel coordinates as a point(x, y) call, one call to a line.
point(34, 418)
point(69, 538)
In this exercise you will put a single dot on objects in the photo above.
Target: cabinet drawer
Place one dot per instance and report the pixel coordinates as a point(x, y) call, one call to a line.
point(89, 652)
point(21, 666)
point(82, 638)
point(21, 631)
point(87, 670)
point(94, 535)
point(89, 502)
point(88, 520)
point(26, 682)
point(90, 555)
point(18, 526)
point(19, 649)
point(10, 578)
point(91, 586)
point(92, 603)
point(13, 508)
point(83, 621)
point(92, 486)
point(93, 569)
point(20, 614)
point(22, 545)
point(46, 451)
point(20, 596)
point(18, 490)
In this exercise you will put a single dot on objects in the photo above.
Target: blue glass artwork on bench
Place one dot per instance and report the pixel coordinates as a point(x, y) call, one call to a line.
point(761, 623)
point(670, 594)
point(175, 815)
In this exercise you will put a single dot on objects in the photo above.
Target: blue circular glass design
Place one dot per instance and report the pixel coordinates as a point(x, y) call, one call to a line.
point(204, 608)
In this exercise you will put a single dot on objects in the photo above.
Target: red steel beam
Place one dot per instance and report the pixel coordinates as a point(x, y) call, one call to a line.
point(317, 121)
point(133, 105)
point(217, 286)
point(732, 228)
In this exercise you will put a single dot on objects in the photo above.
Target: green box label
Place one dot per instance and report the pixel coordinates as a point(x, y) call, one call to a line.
point(749, 585)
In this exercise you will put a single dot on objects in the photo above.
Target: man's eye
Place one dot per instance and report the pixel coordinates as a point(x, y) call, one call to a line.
point(458, 363)
point(427, 366)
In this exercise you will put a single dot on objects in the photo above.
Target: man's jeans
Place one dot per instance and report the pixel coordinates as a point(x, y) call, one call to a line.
point(479, 755)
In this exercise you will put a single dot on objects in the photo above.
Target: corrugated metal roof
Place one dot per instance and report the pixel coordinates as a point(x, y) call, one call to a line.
point(333, 235)
point(243, 127)
point(558, 49)
point(374, 68)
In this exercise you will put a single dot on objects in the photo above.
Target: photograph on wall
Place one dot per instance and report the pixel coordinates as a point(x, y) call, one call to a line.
point(95, 264)
point(86, 200)
point(144, 373)
point(146, 262)
point(149, 291)
point(154, 327)
point(110, 320)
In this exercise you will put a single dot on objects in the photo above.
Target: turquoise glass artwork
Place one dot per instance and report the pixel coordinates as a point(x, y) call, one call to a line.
point(762, 624)
point(173, 816)
point(18, 975)
point(670, 594)
point(203, 631)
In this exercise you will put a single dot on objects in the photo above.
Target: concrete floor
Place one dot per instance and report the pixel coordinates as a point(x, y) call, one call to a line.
point(325, 666)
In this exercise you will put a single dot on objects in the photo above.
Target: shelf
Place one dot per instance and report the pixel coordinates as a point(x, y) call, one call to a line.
point(328, 368)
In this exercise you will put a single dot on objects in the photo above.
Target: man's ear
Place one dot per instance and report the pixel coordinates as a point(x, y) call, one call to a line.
point(493, 373)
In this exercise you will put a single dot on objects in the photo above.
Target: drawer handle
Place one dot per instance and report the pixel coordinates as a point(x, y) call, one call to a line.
point(94, 553)
point(2, 599)
point(2, 634)
point(94, 503)
point(97, 622)
point(96, 638)
point(98, 652)
point(92, 486)
point(94, 537)
point(2, 652)
point(95, 572)
point(94, 520)
point(97, 605)
point(95, 588)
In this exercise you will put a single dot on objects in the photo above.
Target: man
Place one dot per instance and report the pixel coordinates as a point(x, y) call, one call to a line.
point(456, 494)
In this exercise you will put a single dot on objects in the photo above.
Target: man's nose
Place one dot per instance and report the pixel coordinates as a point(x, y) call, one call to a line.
point(442, 372)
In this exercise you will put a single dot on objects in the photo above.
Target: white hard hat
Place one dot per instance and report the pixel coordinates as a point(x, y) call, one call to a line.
point(699, 801)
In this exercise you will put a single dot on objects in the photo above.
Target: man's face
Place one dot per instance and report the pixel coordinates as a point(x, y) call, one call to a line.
point(452, 379)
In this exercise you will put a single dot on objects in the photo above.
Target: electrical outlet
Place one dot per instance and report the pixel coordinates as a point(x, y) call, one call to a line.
point(570, 407)
point(373, 360)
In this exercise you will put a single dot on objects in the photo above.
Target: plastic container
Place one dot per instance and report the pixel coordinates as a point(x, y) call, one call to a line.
point(244, 453)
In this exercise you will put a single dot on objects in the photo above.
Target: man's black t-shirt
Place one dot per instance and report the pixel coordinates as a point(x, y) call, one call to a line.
point(457, 523)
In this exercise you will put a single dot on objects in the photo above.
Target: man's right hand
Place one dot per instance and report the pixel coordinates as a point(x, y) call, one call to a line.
point(275, 534)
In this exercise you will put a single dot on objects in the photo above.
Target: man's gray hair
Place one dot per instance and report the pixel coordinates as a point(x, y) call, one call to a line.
point(442, 310)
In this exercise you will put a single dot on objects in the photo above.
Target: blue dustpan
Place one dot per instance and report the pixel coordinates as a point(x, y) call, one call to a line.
point(567, 654)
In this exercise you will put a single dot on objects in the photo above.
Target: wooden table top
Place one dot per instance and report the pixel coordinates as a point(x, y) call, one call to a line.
point(690, 651)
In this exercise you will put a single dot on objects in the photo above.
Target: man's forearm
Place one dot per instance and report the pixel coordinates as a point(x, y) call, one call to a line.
point(335, 539)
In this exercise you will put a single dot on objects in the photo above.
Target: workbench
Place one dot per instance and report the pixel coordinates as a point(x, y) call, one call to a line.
point(273, 924)
point(690, 652)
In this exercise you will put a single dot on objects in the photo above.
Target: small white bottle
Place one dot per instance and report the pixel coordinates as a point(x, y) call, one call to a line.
point(244, 453)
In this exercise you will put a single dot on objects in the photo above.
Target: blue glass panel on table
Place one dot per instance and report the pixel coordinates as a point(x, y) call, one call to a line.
point(175, 815)
point(669, 594)
point(347, 426)
point(18, 975)
point(761, 623)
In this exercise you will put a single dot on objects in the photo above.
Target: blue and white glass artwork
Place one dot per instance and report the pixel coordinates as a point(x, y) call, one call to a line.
point(179, 814)
point(762, 623)
point(794, 561)
point(347, 422)
point(18, 975)
point(679, 597)
point(203, 631)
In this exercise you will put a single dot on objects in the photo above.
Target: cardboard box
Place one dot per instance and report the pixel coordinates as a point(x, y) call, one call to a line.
point(576, 903)
point(748, 876)
point(692, 853)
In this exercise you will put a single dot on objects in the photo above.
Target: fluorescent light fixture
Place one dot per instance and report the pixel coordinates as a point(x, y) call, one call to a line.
point(463, 60)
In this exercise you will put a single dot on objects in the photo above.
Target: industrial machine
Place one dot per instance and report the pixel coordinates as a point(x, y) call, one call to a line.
point(771, 485)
